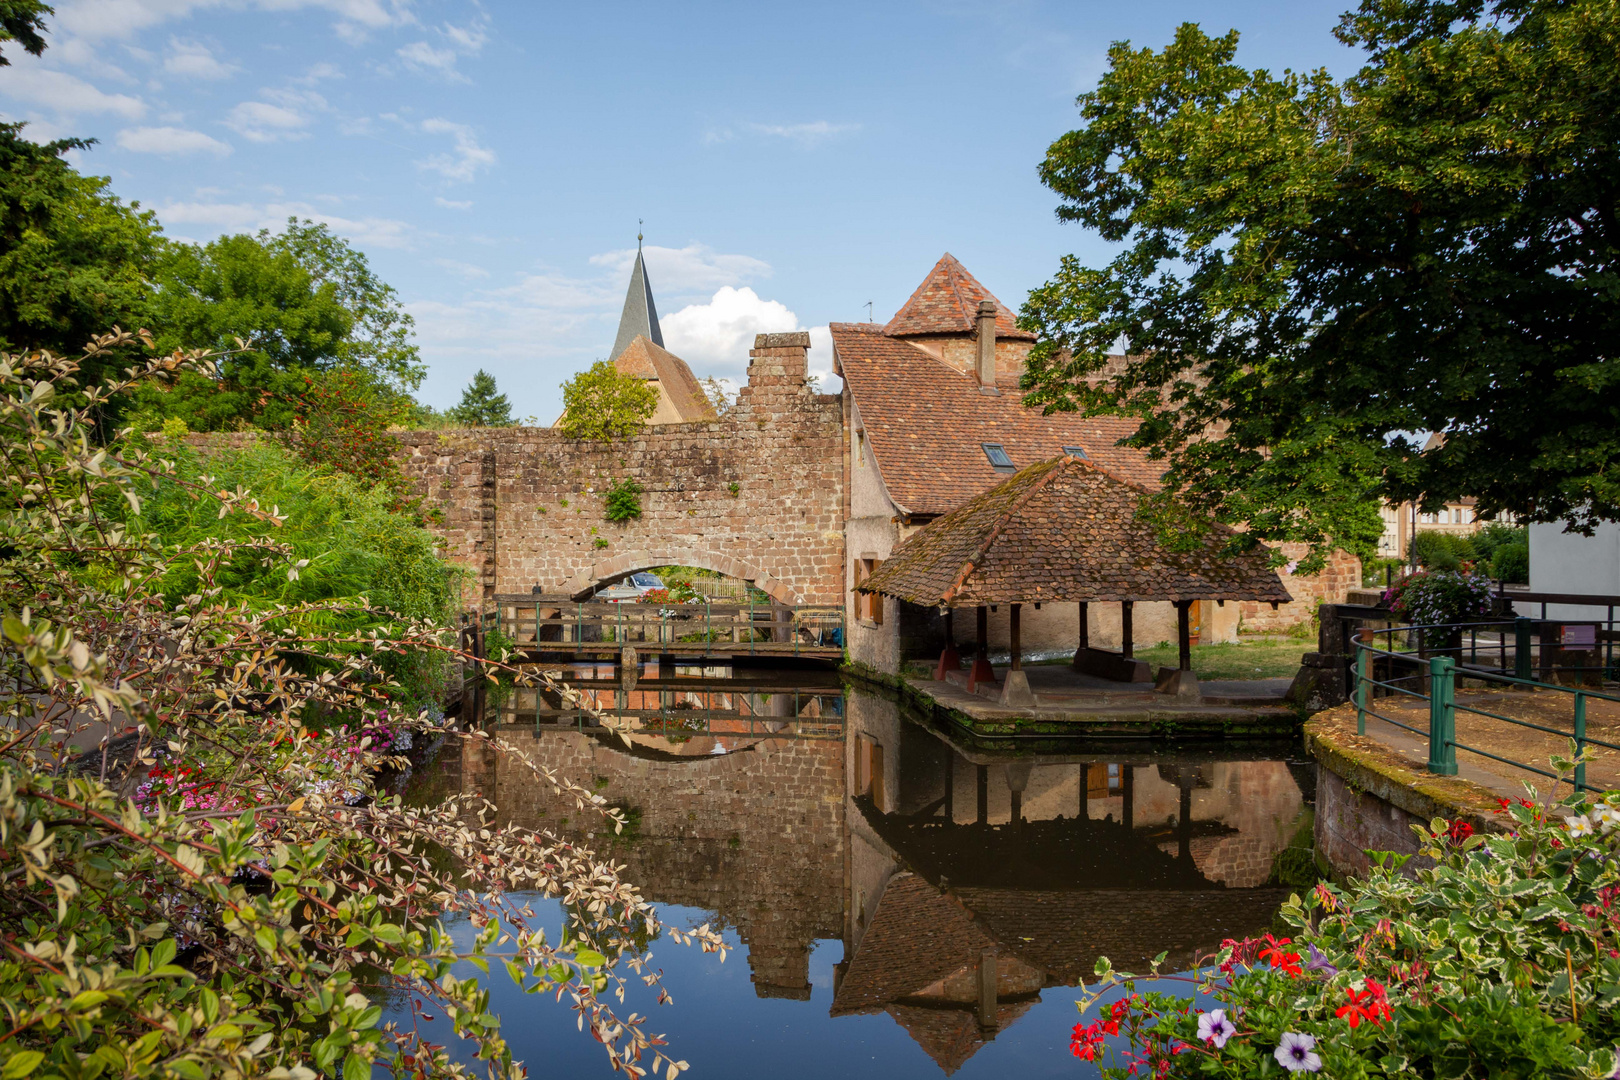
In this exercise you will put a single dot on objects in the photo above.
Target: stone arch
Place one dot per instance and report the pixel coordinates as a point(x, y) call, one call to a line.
point(623, 565)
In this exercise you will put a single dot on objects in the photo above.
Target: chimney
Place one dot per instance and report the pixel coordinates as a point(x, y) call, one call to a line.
point(987, 345)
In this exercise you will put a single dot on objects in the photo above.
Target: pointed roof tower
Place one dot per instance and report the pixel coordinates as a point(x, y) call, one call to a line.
point(947, 302)
point(640, 315)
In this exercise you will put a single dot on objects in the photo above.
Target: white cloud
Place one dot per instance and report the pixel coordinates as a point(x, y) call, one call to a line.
point(63, 93)
point(464, 160)
point(453, 204)
point(284, 115)
point(194, 60)
point(367, 232)
point(717, 335)
point(120, 19)
point(462, 269)
point(694, 268)
point(171, 142)
point(806, 135)
point(460, 41)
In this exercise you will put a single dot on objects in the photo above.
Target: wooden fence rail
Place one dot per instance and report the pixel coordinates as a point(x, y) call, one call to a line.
point(548, 626)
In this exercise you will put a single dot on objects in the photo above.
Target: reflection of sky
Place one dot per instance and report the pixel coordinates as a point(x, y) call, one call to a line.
point(724, 1030)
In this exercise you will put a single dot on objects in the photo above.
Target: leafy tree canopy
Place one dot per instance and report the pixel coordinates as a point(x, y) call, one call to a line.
point(302, 300)
point(23, 21)
point(1314, 270)
point(481, 405)
point(74, 259)
point(602, 403)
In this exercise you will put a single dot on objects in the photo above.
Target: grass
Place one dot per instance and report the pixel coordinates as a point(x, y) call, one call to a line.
point(1263, 658)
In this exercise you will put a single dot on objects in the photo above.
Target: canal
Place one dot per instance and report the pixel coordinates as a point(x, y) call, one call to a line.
point(874, 872)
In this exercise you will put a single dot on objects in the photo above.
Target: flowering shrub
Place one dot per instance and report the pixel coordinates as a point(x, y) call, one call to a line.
point(1434, 597)
point(1503, 960)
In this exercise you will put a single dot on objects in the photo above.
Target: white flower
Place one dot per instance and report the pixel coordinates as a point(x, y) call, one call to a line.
point(1214, 1028)
point(1295, 1053)
point(1579, 825)
point(1607, 816)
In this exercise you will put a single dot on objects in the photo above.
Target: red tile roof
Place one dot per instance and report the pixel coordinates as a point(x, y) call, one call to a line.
point(947, 302)
point(648, 360)
point(1065, 529)
point(925, 421)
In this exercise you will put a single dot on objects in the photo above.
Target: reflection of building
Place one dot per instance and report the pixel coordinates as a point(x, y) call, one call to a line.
point(971, 870)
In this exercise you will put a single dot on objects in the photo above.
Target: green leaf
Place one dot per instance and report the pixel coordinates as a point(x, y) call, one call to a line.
point(356, 1067)
point(589, 958)
point(21, 1063)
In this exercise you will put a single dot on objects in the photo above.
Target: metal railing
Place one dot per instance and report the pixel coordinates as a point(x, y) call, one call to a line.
point(1415, 673)
point(539, 624)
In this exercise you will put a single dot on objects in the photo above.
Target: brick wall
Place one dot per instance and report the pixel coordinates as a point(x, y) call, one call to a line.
point(1342, 573)
point(756, 495)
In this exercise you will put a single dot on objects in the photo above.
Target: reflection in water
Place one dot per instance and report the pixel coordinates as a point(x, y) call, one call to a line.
point(960, 884)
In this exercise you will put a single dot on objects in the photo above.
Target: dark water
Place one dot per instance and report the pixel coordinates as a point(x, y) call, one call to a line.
point(865, 864)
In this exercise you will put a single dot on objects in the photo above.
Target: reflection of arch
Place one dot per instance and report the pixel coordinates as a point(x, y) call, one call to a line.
point(623, 565)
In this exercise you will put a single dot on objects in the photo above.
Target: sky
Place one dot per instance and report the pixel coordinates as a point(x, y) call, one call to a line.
point(787, 164)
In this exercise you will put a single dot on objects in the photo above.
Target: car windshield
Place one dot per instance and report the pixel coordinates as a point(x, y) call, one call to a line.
point(646, 581)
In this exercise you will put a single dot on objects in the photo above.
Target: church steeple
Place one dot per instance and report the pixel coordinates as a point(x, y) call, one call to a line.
point(640, 315)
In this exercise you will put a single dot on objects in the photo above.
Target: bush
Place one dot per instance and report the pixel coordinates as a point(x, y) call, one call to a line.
point(1376, 572)
point(215, 890)
point(1511, 564)
point(1440, 551)
point(602, 404)
point(1437, 597)
point(1495, 535)
point(1500, 961)
point(623, 500)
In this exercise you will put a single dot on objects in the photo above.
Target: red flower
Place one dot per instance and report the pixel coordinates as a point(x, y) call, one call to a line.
point(1459, 831)
point(1369, 1004)
point(1278, 957)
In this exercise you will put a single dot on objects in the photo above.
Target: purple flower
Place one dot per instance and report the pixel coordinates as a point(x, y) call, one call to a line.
point(1296, 1053)
point(1318, 962)
point(1214, 1028)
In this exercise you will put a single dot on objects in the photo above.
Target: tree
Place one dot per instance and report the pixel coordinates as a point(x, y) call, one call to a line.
point(1312, 271)
point(481, 405)
point(74, 259)
point(304, 303)
point(23, 21)
point(602, 403)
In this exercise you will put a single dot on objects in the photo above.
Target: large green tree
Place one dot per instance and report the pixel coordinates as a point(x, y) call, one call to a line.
point(74, 259)
point(279, 308)
point(1313, 272)
point(481, 404)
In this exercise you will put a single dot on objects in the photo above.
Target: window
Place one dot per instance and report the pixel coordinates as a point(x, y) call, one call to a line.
point(860, 448)
point(998, 457)
point(868, 606)
point(1076, 451)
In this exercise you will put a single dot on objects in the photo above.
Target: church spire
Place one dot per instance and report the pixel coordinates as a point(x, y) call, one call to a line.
point(640, 315)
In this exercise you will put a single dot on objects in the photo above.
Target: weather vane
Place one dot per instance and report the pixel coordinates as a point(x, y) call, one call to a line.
point(638, 233)
point(869, 311)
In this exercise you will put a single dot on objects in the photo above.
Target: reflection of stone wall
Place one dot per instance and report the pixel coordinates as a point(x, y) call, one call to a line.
point(754, 836)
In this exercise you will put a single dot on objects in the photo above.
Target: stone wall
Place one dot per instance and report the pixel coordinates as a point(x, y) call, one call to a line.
point(756, 495)
point(1342, 573)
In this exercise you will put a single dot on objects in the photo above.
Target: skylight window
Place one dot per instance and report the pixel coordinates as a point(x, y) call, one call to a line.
point(998, 457)
point(1076, 451)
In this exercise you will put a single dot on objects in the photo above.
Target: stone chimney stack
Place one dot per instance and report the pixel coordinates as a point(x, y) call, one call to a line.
point(987, 344)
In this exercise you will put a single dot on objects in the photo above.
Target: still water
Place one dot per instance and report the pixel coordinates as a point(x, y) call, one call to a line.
point(864, 865)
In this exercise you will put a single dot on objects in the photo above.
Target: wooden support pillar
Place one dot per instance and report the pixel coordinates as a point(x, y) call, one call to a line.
point(949, 658)
point(1126, 645)
point(1127, 784)
point(950, 787)
point(1015, 631)
point(1184, 633)
point(1017, 798)
point(1184, 820)
point(987, 988)
point(1085, 626)
point(984, 794)
point(1085, 788)
point(982, 671)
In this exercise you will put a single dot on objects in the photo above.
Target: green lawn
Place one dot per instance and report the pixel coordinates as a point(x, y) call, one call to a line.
point(1265, 658)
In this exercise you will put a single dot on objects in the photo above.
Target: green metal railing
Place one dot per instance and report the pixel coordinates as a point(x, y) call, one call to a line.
point(1436, 679)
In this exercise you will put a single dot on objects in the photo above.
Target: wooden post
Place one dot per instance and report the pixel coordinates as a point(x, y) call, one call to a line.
point(1085, 629)
point(1085, 790)
point(982, 671)
point(983, 781)
point(1127, 784)
point(1016, 634)
point(950, 787)
point(1126, 646)
point(1184, 632)
point(987, 988)
point(984, 632)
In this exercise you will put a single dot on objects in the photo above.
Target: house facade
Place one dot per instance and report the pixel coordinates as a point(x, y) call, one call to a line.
point(933, 416)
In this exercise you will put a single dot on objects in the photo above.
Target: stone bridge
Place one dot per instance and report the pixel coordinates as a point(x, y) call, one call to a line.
point(757, 494)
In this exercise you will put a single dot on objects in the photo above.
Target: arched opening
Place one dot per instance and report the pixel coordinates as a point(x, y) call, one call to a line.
point(620, 567)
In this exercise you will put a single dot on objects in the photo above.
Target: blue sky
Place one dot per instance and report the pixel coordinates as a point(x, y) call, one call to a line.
point(791, 162)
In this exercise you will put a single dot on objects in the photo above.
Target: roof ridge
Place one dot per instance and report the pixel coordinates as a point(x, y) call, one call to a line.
point(956, 288)
point(1053, 467)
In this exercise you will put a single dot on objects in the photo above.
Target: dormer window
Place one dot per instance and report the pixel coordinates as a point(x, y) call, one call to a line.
point(1076, 451)
point(999, 460)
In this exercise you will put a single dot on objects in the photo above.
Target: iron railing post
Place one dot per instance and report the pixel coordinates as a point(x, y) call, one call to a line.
point(1443, 716)
point(1580, 740)
point(1521, 648)
point(1360, 645)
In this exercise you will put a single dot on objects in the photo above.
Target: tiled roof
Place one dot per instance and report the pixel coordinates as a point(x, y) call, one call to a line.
point(1064, 529)
point(947, 302)
point(925, 421)
point(650, 361)
point(917, 937)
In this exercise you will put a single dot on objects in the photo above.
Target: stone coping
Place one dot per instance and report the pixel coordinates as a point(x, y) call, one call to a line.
point(1371, 766)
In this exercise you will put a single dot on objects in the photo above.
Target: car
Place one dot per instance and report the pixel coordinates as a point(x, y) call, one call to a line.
point(630, 590)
